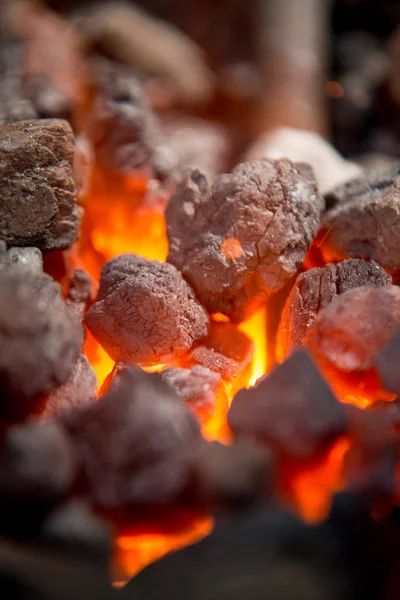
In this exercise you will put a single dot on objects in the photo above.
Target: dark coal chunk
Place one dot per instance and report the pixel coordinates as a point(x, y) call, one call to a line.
point(365, 220)
point(120, 125)
point(197, 386)
point(78, 391)
point(372, 458)
point(80, 288)
point(74, 529)
point(145, 312)
point(315, 289)
point(135, 442)
point(39, 340)
point(37, 470)
point(349, 333)
point(80, 293)
point(37, 193)
point(264, 553)
point(241, 239)
point(226, 350)
point(293, 409)
point(388, 361)
point(231, 477)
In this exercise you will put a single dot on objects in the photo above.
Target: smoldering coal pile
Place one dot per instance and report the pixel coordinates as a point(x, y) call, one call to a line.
point(286, 464)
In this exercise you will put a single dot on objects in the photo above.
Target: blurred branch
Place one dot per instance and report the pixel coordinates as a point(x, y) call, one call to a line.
point(293, 38)
point(135, 38)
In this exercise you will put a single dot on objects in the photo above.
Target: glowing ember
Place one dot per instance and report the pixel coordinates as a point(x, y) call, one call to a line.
point(256, 328)
point(309, 486)
point(231, 248)
point(98, 358)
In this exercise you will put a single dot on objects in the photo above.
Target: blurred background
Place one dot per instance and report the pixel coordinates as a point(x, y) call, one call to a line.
point(330, 66)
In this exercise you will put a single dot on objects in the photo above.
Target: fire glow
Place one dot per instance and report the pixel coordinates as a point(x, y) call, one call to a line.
point(115, 226)
point(125, 213)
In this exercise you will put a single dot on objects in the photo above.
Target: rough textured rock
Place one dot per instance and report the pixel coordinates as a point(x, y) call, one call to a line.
point(196, 386)
point(134, 444)
point(241, 239)
point(37, 193)
point(145, 311)
point(78, 391)
point(315, 289)
point(349, 333)
point(227, 351)
point(39, 340)
point(293, 409)
point(364, 221)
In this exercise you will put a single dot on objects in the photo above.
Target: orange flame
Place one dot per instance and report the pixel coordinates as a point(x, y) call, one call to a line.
point(133, 552)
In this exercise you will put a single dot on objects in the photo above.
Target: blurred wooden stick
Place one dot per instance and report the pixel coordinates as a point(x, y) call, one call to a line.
point(130, 35)
point(293, 48)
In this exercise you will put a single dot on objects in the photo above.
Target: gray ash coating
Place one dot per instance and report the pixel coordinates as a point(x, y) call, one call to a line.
point(315, 289)
point(197, 387)
point(272, 208)
point(79, 390)
point(145, 312)
point(37, 192)
point(39, 340)
point(364, 219)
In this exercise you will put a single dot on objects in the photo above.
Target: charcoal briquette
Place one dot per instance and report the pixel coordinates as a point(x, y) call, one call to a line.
point(364, 221)
point(78, 391)
point(39, 340)
point(145, 312)
point(316, 288)
point(292, 409)
point(349, 333)
point(134, 444)
point(37, 192)
point(239, 240)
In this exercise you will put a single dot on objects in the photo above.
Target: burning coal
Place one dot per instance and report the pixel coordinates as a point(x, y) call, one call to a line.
point(177, 348)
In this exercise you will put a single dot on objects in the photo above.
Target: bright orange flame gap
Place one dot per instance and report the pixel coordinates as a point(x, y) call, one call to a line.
point(310, 485)
point(133, 552)
point(256, 329)
point(101, 363)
